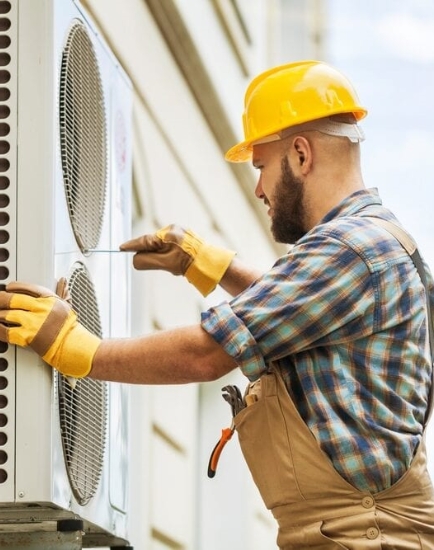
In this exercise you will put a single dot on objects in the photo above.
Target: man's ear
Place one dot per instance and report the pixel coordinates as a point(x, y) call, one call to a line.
point(302, 155)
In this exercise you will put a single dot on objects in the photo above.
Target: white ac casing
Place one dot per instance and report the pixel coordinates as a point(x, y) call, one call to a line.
point(38, 245)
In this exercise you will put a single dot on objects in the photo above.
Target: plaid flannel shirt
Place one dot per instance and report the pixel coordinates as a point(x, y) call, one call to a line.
point(343, 314)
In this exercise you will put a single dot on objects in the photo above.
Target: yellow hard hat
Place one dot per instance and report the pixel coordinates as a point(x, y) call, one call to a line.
point(289, 95)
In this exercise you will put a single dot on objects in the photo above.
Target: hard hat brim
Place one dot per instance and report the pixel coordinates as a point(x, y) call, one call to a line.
point(242, 152)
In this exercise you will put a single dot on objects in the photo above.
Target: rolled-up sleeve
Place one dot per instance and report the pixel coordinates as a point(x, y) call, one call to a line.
point(231, 333)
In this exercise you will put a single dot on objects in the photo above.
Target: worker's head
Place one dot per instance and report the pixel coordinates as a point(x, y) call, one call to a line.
point(301, 132)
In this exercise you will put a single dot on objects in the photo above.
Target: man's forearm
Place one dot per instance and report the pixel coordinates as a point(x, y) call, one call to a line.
point(176, 356)
point(238, 277)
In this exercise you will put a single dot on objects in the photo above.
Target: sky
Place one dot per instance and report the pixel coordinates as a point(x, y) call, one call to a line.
point(386, 48)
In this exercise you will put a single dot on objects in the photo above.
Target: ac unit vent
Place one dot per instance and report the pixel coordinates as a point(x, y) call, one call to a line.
point(83, 410)
point(6, 374)
point(83, 137)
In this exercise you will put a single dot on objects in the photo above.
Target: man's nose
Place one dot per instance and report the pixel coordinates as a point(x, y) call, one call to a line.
point(259, 192)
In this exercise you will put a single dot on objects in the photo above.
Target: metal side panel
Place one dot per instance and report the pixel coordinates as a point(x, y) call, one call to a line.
point(34, 231)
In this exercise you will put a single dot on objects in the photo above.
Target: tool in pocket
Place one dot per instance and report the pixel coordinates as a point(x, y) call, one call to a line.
point(232, 395)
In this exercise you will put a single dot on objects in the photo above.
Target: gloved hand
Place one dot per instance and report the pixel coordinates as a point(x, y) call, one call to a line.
point(34, 316)
point(181, 252)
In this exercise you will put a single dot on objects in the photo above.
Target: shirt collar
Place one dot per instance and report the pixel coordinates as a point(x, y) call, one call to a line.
point(353, 204)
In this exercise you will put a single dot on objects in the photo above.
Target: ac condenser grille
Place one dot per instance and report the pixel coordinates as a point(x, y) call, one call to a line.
point(83, 410)
point(83, 137)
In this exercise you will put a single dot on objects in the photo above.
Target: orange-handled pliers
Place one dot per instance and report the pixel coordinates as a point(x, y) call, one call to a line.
point(233, 396)
point(216, 452)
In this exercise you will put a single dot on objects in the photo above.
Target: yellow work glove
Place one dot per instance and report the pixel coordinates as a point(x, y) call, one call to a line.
point(35, 317)
point(181, 252)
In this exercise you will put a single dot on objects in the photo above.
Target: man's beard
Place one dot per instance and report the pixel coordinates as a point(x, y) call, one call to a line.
point(287, 222)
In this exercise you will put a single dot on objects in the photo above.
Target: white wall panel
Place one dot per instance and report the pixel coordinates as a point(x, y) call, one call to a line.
point(171, 478)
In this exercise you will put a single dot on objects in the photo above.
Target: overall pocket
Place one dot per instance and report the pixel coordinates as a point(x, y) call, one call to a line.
point(264, 441)
point(308, 536)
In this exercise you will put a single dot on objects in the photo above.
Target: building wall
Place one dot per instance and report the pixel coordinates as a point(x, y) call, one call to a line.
point(303, 30)
point(189, 62)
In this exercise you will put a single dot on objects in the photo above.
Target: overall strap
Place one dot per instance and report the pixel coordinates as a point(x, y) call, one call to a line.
point(410, 246)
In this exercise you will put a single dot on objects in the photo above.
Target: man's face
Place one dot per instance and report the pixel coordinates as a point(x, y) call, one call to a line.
point(282, 191)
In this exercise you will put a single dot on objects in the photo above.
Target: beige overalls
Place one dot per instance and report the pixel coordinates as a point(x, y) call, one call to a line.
point(313, 505)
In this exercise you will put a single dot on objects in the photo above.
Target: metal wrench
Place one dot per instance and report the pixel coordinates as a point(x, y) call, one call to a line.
point(233, 396)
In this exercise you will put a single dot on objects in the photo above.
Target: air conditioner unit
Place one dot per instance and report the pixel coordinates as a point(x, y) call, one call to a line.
point(65, 177)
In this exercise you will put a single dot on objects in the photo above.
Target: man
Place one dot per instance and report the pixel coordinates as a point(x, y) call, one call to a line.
point(334, 338)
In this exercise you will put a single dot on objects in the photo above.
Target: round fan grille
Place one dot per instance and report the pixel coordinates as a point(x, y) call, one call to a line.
point(83, 137)
point(83, 410)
